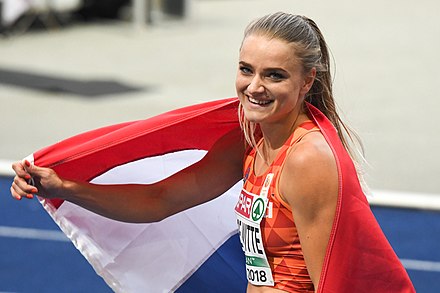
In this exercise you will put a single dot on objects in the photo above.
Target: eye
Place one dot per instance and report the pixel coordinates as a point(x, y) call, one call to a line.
point(276, 76)
point(245, 70)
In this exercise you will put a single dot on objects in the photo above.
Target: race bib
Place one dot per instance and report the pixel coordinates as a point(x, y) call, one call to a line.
point(250, 210)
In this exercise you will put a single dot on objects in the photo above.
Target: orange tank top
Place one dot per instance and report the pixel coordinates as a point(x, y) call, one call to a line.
point(279, 234)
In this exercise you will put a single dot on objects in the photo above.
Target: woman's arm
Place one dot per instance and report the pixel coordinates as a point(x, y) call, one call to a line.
point(220, 169)
point(309, 183)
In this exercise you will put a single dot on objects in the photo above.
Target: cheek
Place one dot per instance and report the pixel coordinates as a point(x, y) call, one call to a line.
point(287, 97)
point(240, 84)
point(293, 90)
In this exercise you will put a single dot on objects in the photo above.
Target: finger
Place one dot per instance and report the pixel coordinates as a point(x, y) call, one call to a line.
point(21, 184)
point(19, 188)
point(15, 194)
point(18, 166)
point(19, 169)
point(32, 169)
point(19, 193)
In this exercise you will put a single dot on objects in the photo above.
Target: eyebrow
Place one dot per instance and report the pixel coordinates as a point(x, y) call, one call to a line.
point(244, 64)
point(266, 69)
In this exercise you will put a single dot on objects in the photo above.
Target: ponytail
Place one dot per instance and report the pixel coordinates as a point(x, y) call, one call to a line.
point(321, 96)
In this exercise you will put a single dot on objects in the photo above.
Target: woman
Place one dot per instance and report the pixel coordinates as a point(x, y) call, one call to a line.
point(292, 211)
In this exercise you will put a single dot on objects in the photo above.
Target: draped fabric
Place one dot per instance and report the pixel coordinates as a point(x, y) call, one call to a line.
point(198, 250)
point(359, 257)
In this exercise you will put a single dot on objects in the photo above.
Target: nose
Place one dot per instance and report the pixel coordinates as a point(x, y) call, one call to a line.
point(256, 85)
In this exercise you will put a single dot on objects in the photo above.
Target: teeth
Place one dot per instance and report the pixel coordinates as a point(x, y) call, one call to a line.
point(259, 102)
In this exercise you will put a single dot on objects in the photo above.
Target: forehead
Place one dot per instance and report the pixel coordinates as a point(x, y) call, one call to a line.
point(266, 51)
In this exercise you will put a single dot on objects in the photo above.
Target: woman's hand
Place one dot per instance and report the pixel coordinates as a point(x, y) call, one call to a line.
point(30, 180)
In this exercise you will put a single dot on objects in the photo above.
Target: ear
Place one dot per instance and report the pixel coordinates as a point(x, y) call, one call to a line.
point(309, 78)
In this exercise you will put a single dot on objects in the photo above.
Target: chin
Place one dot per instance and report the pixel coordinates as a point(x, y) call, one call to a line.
point(254, 117)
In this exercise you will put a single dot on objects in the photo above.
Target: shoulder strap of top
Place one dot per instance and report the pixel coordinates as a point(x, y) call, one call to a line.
point(297, 135)
point(303, 129)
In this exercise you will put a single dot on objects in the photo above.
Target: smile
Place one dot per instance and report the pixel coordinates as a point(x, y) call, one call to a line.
point(259, 102)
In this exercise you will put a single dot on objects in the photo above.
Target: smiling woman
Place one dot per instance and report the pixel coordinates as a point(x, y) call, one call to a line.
point(283, 69)
point(298, 58)
point(269, 75)
point(304, 223)
point(272, 83)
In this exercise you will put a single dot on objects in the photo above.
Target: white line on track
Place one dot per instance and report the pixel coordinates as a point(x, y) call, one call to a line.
point(5, 168)
point(36, 234)
point(421, 265)
point(400, 199)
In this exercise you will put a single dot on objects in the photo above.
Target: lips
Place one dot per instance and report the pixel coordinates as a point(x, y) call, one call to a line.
point(259, 102)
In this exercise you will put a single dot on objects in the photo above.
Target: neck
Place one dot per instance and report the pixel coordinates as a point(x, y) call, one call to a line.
point(276, 134)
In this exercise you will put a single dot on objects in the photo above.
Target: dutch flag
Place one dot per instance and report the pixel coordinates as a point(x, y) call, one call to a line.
point(197, 250)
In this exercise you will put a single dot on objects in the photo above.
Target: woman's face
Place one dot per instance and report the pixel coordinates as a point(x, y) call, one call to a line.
point(270, 81)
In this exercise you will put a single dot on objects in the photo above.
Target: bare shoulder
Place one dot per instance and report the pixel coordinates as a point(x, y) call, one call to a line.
point(311, 152)
point(310, 178)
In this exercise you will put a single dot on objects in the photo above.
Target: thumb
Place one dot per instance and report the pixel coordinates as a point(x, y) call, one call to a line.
point(32, 169)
